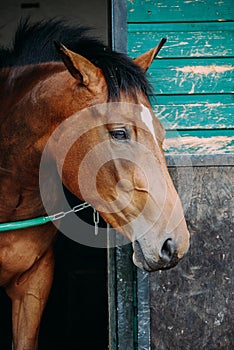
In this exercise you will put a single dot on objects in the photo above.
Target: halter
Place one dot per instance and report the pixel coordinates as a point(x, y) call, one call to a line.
point(17, 225)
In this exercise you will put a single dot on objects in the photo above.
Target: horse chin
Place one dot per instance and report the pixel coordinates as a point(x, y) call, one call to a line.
point(139, 259)
point(141, 263)
point(150, 265)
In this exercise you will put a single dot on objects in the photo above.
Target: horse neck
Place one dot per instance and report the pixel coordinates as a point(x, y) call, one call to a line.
point(23, 118)
point(16, 82)
point(41, 98)
point(25, 126)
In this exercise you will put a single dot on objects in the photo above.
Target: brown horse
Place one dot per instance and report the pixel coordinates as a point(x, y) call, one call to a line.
point(39, 91)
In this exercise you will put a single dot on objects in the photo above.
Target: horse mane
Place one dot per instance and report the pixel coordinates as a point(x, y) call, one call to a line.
point(34, 44)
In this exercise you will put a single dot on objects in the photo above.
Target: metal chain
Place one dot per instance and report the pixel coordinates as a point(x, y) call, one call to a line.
point(44, 219)
point(62, 214)
point(75, 209)
point(96, 221)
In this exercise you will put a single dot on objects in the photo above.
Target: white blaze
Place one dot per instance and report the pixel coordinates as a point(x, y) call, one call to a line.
point(147, 119)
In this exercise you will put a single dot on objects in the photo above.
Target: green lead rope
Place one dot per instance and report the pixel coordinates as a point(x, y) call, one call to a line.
point(17, 225)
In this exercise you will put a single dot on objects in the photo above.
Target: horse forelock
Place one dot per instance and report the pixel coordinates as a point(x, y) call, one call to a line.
point(34, 44)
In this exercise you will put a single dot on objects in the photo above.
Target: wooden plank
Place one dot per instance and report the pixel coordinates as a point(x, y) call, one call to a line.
point(125, 298)
point(143, 310)
point(118, 33)
point(187, 99)
point(196, 116)
point(192, 76)
point(199, 142)
point(183, 39)
point(226, 133)
point(179, 10)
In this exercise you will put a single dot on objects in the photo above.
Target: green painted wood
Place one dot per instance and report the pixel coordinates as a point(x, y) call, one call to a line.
point(179, 10)
point(191, 99)
point(196, 116)
point(192, 76)
point(194, 111)
point(183, 39)
point(199, 142)
point(195, 61)
point(187, 77)
point(200, 133)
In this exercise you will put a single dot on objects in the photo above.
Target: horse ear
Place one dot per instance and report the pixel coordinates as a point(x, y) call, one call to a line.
point(79, 67)
point(145, 60)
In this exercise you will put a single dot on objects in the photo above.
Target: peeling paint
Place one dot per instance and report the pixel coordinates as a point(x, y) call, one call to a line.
point(176, 45)
point(192, 89)
point(200, 145)
point(205, 70)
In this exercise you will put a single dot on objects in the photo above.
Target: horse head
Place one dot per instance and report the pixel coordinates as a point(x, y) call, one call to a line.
point(110, 154)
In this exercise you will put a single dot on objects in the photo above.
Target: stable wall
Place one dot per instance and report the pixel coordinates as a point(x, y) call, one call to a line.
point(190, 306)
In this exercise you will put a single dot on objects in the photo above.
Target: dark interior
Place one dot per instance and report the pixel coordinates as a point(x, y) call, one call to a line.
point(76, 314)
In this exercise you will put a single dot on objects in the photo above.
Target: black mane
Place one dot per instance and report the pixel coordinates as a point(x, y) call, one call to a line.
point(34, 43)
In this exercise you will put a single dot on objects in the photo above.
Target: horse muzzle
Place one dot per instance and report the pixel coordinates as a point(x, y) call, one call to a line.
point(165, 259)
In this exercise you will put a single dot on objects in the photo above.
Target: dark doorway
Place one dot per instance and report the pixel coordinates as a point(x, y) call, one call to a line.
point(76, 314)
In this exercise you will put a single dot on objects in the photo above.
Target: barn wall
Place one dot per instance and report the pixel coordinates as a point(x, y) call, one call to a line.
point(193, 83)
point(188, 307)
point(193, 75)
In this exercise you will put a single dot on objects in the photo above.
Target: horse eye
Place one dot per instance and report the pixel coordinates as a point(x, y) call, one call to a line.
point(119, 135)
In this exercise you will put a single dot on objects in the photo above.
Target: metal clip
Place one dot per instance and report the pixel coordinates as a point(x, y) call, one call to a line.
point(58, 216)
point(96, 221)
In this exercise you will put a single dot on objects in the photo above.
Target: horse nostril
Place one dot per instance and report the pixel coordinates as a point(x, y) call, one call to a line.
point(168, 250)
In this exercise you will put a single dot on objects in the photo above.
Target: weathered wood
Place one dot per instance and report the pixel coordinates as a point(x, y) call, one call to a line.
point(200, 142)
point(179, 10)
point(196, 71)
point(194, 111)
point(126, 327)
point(183, 39)
point(192, 76)
point(118, 32)
point(185, 116)
point(190, 99)
point(143, 310)
point(191, 305)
